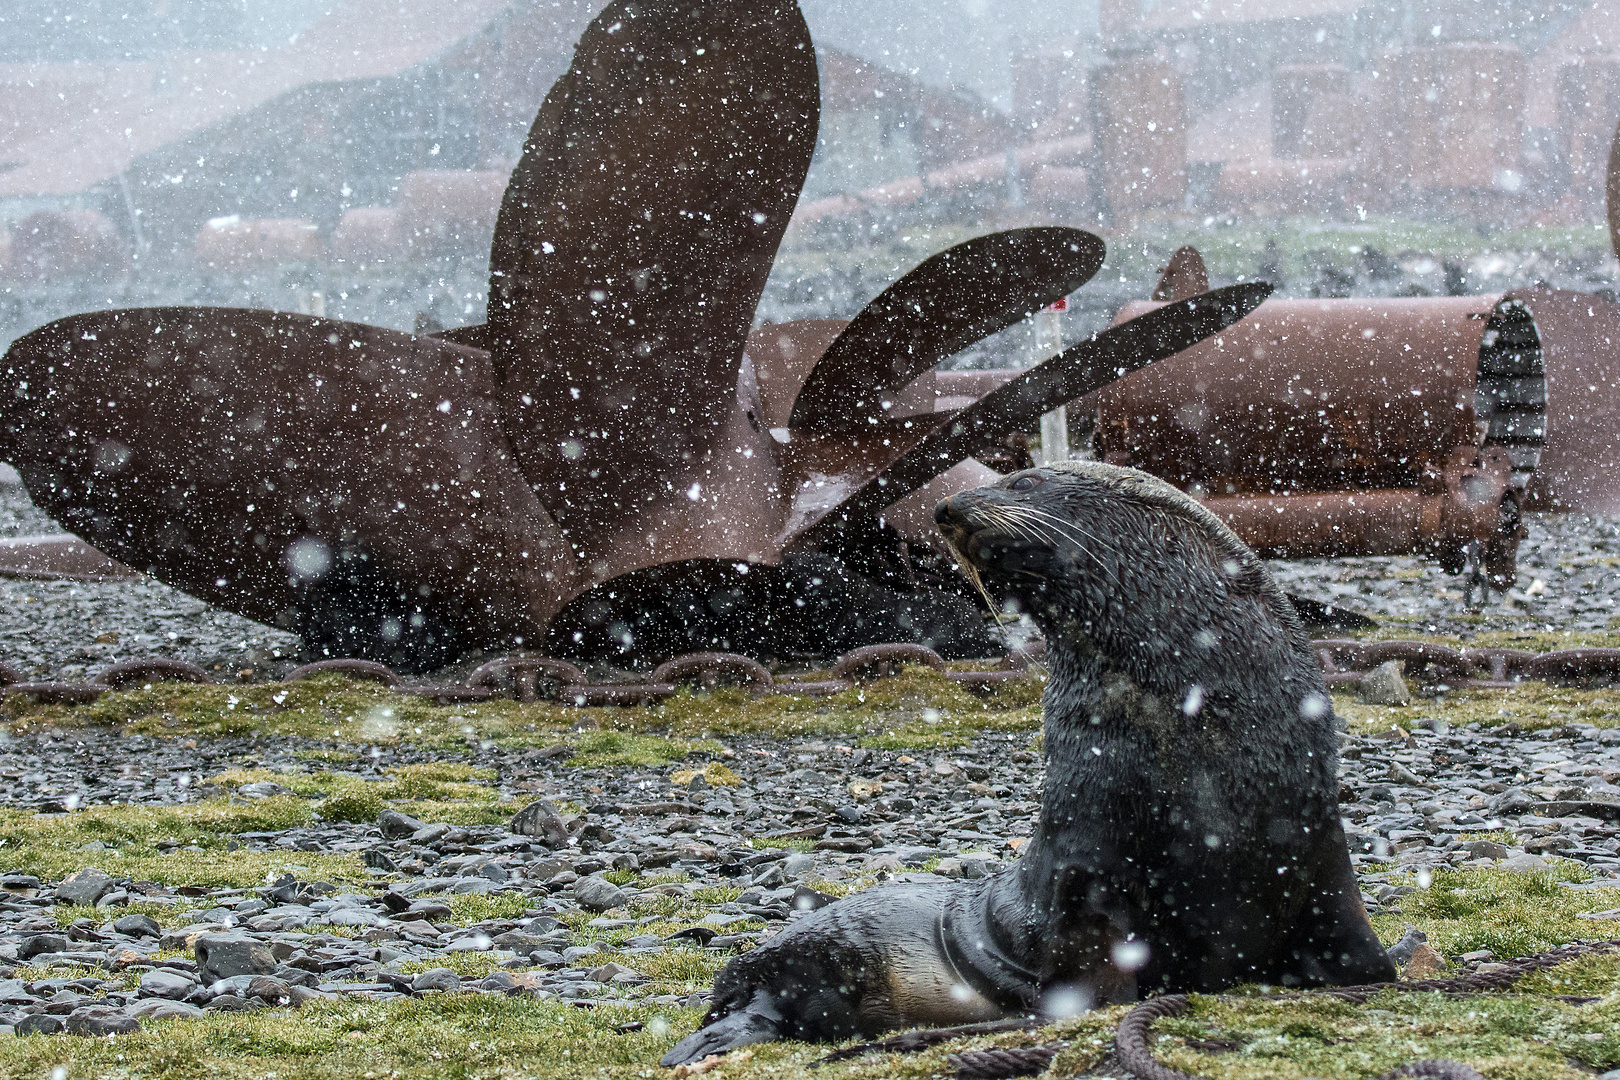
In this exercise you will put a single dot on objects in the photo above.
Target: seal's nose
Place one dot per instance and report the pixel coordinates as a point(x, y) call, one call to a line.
point(944, 512)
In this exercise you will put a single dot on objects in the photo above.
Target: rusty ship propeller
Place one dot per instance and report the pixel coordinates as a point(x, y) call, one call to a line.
point(603, 446)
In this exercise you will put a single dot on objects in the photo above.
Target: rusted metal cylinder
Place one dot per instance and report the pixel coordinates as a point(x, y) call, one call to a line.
point(1325, 427)
point(1384, 521)
point(1305, 395)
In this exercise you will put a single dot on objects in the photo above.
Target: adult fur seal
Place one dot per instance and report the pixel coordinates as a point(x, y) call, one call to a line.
point(1189, 837)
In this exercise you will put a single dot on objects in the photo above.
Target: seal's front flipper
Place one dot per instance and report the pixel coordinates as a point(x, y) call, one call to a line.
point(1335, 945)
point(759, 1021)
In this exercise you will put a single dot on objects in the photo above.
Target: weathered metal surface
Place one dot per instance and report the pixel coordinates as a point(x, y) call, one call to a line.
point(1305, 395)
point(948, 302)
point(350, 482)
point(621, 297)
point(1614, 194)
point(1097, 361)
point(603, 446)
point(58, 557)
point(1184, 277)
point(1379, 521)
point(1580, 463)
point(1328, 395)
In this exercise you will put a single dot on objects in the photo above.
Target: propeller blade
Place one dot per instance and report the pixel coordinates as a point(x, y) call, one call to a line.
point(948, 302)
point(349, 481)
point(631, 250)
point(1076, 371)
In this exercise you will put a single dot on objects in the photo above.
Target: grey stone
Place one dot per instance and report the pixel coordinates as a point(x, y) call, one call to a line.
point(436, 979)
point(427, 834)
point(37, 944)
point(609, 972)
point(1384, 686)
point(596, 893)
point(228, 1003)
point(220, 956)
point(798, 864)
point(163, 1009)
point(1485, 849)
point(85, 887)
point(262, 789)
point(164, 983)
point(470, 943)
point(1525, 864)
point(138, 926)
point(100, 1020)
point(39, 1024)
point(352, 916)
point(397, 826)
point(541, 819)
point(376, 859)
point(494, 872)
point(300, 996)
point(808, 899)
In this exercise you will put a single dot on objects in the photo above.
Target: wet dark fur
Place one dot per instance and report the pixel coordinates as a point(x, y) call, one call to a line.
point(1208, 830)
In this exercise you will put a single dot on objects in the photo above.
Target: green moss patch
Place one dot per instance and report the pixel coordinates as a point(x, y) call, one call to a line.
point(1529, 706)
point(173, 845)
point(1511, 914)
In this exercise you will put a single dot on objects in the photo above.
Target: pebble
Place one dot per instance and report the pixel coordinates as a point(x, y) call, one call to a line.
point(1411, 794)
point(1385, 686)
point(597, 893)
point(436, 979)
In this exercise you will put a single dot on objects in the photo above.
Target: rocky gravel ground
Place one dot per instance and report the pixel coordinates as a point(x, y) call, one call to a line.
point(1569, 580)
point(632, 884)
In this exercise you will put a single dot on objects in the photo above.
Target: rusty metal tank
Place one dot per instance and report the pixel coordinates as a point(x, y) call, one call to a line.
point(1373, 426)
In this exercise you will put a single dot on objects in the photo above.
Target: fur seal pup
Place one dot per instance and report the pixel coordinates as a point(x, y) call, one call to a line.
point(1189, 836)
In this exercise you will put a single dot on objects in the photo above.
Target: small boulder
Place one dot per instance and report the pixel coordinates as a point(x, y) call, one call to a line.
point(220, 956)
point(1384, 686)
point(597, 893)
point(35, 944)
point(39, 1024)
point(540, 819)
point(138, 926)
point(164, 1009)
point(436, 979)
point(397, 826)
point(166, 983)
point(93, 1020)
point(85, 887)
point(1485, 849)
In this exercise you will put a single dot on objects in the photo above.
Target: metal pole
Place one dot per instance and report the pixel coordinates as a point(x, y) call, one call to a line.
point(1048, 343)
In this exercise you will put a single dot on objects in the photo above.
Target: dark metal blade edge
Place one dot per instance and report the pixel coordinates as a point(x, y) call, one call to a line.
point(1078, 370)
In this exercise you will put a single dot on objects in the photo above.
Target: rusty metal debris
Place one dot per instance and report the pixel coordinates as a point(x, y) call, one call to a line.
point(60, 557)
point(532, 679)
point(603, 468)
point(1378, 427)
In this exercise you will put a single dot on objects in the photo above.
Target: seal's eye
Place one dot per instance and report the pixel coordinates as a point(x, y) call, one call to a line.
point(1024, 483)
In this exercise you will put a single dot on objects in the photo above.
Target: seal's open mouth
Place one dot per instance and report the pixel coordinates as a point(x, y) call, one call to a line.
point(953, 528)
